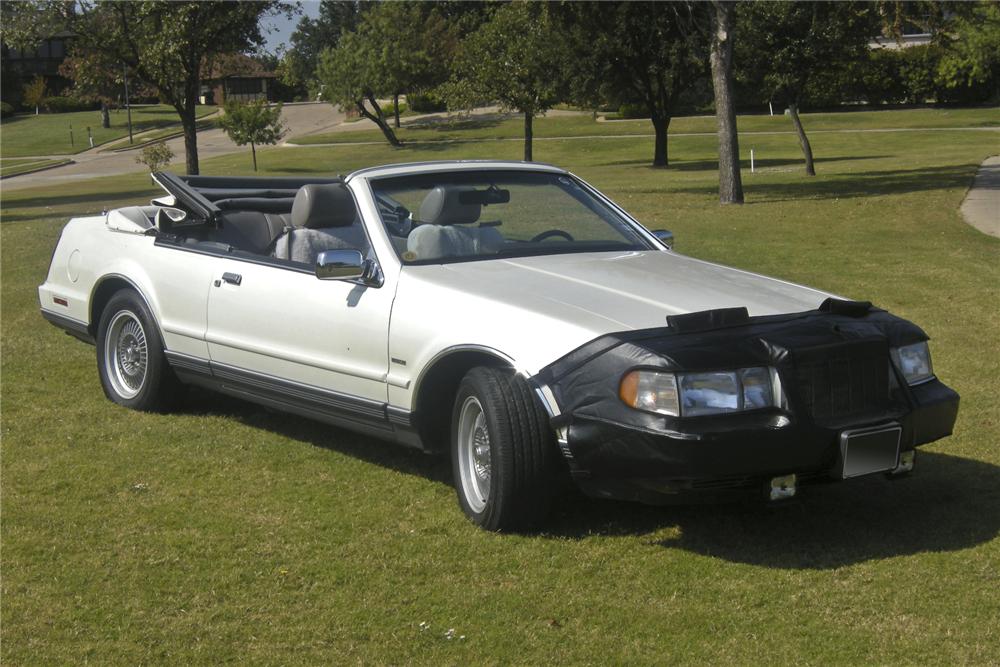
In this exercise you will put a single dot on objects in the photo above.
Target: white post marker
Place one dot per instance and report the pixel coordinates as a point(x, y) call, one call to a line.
point(770, 106)
point(751, 160)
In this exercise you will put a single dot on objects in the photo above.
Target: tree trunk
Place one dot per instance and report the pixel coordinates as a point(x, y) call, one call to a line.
point(190, 140)
point(395, 108)
point(660, 125)
point(253, 151)
point(105, 115)
point(186, 110)
point(730, 181)
point(807, 151)
point(378, 118)
point(528, 135)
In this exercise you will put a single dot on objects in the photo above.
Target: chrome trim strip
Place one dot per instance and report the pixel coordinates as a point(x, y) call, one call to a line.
point(252, 380)
point(68, 324)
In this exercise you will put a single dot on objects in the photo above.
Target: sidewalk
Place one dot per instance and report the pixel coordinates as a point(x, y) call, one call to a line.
point(981, 207)
point(300, 118)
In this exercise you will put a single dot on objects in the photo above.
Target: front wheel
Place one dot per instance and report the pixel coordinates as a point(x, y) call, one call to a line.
point(130, 361)
point(503, 455)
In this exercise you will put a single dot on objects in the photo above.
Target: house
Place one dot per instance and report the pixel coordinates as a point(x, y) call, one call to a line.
point(237, 77)
point(44, 60)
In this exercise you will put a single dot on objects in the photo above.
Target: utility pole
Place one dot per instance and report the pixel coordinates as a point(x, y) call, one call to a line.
point(128, 107)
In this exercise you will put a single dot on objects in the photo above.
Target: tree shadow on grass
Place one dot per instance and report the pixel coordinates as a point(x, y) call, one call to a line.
point(847, 186)
point(713, 165)
point(19, 209)
point(442, 123)
point(948, 504)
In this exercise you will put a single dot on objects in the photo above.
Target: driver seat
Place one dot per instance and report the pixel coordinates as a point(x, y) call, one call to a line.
point(443, 232)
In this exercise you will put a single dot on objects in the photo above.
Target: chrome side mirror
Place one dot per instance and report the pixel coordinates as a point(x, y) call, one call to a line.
point(347, 265)
point(340, 265)
point(666, 237)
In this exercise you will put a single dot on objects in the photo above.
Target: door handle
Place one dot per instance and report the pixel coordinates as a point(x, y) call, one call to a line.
point(232, 278)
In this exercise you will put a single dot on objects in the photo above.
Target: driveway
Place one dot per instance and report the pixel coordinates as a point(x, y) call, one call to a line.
point(301, 119)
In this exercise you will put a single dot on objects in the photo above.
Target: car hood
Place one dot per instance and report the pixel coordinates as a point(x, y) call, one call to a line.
point(606, 292)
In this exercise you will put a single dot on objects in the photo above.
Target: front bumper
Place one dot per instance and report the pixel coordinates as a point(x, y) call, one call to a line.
point(615, 461)
point(835, 372)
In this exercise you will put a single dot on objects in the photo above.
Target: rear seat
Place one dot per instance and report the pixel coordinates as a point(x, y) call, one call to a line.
point(251, 231)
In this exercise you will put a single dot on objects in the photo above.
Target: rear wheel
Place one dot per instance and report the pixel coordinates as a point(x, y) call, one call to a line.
point(130, 361)
point(503, 454)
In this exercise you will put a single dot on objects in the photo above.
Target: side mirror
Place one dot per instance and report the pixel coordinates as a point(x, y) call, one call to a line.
point(666, 237)
point(347, 265)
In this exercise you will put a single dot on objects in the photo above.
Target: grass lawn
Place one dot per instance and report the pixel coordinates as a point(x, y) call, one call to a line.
point(49, 134)
point(19, 166)
point(585, 125)
point(228, 534)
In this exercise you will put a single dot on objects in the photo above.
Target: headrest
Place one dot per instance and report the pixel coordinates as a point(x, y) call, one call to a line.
point(326, 205)
point(442, 207)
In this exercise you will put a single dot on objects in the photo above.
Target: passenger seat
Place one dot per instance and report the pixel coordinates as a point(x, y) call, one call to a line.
point(324, 217)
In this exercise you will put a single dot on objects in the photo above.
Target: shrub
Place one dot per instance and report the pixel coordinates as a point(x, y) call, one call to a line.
point(155, 156)
point(6, 110)
point(425, 103)
point(58, 104)
point(633, 111)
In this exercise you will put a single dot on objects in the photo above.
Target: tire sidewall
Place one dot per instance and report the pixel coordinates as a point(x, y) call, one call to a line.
point(150, 396)
point(471, 387)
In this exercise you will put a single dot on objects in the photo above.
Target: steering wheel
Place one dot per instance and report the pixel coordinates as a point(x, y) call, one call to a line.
point(550, 233)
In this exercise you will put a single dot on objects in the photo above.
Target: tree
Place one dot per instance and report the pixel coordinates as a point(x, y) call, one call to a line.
point(783, 43)
point(155, 156)
point(168, 44)
point(35, 92)
point(512, 59)
point(410, 46)
point(350, 80)
point(313, 36)
point(253, 123)
point(972, 47)
point(721, 41)
point(644, 53)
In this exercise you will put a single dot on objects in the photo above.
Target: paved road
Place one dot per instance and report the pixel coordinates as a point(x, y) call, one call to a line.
point(981, 207)
point(302, 119)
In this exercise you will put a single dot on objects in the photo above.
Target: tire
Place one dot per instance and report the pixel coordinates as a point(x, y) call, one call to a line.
point(504, 458)
point(130, 361)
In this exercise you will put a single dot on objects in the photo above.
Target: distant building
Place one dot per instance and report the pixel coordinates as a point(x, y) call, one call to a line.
point(44, 60)
point(237, 77)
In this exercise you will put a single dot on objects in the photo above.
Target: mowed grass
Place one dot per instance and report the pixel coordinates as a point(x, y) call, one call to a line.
point(21, 166)
point(585, 125)
point(228, 534)
point(49, 133)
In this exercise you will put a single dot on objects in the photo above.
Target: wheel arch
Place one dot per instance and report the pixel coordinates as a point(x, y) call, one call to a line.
point(105, 288)
point(436, 386)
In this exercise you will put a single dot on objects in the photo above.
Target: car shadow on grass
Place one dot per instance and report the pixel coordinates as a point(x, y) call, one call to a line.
point(949, 503)
point(365, 448)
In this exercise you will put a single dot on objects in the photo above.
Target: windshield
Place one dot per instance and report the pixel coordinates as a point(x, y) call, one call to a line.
point(472, 215)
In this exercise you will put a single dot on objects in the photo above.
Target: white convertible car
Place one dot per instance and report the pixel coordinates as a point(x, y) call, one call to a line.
point(505, 312)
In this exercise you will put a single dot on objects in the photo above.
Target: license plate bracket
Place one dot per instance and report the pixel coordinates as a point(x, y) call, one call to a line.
point(869, 450)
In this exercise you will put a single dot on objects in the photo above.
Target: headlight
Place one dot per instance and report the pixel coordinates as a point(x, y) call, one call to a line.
point(652, 391)
point(914, 362)
point(694, 394)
